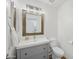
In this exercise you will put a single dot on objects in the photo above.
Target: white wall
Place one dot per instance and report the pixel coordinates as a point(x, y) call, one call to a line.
point(50, 16)
point(65, 27)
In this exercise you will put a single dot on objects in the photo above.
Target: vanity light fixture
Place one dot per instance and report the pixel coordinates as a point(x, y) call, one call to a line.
point(51, 1)
point(34, 9)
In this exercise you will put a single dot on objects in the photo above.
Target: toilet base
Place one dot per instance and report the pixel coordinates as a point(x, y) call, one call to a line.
point(55, 57)
point(63, 57)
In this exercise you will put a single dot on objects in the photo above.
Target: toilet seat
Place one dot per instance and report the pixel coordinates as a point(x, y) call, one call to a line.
point(58, 51)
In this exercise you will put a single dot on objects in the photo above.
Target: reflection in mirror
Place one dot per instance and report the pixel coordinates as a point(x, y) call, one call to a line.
point(33, 24)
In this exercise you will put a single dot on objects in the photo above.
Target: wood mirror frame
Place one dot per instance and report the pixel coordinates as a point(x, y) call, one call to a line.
point(24, 25)
point(14, 18)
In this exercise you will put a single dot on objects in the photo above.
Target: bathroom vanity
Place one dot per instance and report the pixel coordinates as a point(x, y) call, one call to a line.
point(33, 50)
point(32, 25)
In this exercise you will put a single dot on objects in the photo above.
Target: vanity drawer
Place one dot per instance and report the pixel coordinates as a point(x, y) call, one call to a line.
point(39, 49)
point(26, 52)
point(42, 55)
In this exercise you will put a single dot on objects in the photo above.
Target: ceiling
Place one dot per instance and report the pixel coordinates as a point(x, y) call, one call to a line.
point(55, 3)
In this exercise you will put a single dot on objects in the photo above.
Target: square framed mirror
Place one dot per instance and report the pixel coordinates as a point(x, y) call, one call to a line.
point(32, 24)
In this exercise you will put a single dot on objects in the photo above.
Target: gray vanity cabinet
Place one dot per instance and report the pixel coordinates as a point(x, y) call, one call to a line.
point(35, 52)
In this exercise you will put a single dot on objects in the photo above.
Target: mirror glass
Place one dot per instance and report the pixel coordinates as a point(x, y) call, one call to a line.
point(33, 23)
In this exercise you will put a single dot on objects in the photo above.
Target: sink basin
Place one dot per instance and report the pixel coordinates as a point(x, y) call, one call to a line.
point(30, 43)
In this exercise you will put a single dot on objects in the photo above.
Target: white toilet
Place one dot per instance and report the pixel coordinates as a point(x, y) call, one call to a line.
point(57, 52)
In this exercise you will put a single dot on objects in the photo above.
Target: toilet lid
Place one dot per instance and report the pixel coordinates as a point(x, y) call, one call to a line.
point(58, 51)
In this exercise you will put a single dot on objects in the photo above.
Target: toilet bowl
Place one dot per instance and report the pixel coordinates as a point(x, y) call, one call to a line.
point(58, 52)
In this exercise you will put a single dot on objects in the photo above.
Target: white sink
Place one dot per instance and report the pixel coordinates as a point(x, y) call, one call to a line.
point(30, 43)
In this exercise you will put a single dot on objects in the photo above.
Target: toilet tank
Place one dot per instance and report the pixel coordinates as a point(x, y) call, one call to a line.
point(53, 42)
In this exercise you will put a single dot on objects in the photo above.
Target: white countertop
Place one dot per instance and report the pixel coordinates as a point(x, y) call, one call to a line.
point(34, 42)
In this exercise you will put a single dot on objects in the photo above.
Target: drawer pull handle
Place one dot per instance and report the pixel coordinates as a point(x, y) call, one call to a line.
point(44, 48)
point(25, 53)
point(44, 56)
